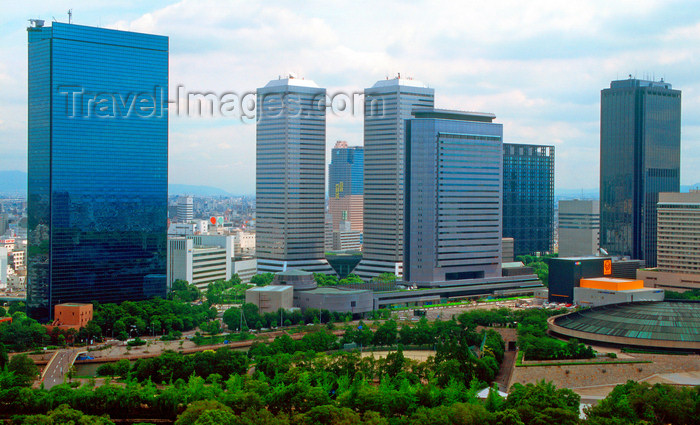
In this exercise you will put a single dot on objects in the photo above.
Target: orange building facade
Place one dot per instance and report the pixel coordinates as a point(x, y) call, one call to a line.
point(72, 315)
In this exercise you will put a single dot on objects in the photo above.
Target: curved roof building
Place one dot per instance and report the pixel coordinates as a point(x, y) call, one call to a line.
point(666, 324)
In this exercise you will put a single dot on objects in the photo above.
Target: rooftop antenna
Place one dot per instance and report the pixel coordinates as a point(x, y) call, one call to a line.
point(70, 15)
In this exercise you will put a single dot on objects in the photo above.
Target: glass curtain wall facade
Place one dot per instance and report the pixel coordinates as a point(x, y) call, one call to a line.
point(528, 197)
point(640, 137)
point(453, 197)
point(291, 176)
point(346, 185)
point(98, 166)
point(388, 104)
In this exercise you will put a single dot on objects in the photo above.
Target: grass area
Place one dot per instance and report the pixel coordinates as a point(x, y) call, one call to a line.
point(493, 300)
point(458, 303)
point(219, 339)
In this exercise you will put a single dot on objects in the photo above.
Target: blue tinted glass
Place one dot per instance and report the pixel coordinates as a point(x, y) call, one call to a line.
point(98, 152)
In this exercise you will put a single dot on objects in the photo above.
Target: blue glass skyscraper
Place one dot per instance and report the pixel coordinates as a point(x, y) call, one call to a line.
point(98, 166)
point(528, 197)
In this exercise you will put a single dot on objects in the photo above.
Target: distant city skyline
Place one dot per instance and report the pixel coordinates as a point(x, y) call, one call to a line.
point(539, 70)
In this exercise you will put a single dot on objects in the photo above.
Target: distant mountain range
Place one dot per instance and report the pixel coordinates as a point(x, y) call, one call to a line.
point(15, 183)
point(188, 189)
point(576, 193)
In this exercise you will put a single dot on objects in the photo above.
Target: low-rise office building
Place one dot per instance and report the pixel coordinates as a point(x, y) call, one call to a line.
point(245, 268)
point(199, 260)
point(594, 292)
point(271, 298)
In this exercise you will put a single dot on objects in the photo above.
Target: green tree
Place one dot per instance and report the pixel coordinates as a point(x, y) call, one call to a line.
point(3, 356)
point(63, 414)
point(325, 279)
point(17, 306)
point(386, 333)
point(262, 279)
point(122, 367)
point(352, 279)
point(24, 369)
point(532, 400)
point(195, 410)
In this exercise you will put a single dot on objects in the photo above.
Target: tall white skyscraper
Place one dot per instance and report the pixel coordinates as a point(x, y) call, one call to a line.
point(290, 176)
point(185, 209)
point(388, 104)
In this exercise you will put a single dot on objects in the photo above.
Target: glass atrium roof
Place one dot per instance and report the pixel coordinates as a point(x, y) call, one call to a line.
point(671, 321)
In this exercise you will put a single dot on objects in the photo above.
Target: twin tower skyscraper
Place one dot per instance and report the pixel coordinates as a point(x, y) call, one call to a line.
point(291, 164)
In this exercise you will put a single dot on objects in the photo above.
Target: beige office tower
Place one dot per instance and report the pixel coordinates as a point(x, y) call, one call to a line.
point(388, 104)
point(579, 227)
point(290, 176)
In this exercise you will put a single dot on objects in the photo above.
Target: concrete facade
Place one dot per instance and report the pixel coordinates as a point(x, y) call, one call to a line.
point(271, 298)
point(508, 250)
point(678, 282)
point(335, 300)
point(245, 268)
point(3, 267)
point(678, 245)
point(200, 259)
point(579, 227)
point(592, 297)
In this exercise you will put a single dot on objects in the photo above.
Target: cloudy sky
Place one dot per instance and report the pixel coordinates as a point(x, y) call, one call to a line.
point(538, 65)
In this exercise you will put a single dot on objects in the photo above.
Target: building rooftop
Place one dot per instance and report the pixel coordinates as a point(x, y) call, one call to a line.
point(399, 81)
point(611, 279)
point(590, 257)
point(449, 114)
point(633, 82)
point(330, 290)
point(292, 81)
point(679, 198)
point(272, 288)
point(294, 272)
point(666, 321)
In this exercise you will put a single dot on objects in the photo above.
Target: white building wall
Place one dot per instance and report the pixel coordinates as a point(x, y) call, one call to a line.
point(245, 269)
point(179, 260)
point(3, 268)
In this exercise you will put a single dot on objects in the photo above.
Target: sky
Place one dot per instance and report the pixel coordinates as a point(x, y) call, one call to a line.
point(538, 66)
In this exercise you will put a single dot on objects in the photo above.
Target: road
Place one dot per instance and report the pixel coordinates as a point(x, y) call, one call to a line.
point(57, 369)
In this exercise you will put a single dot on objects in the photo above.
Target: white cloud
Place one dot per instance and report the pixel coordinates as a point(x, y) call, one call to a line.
point(538, 65)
